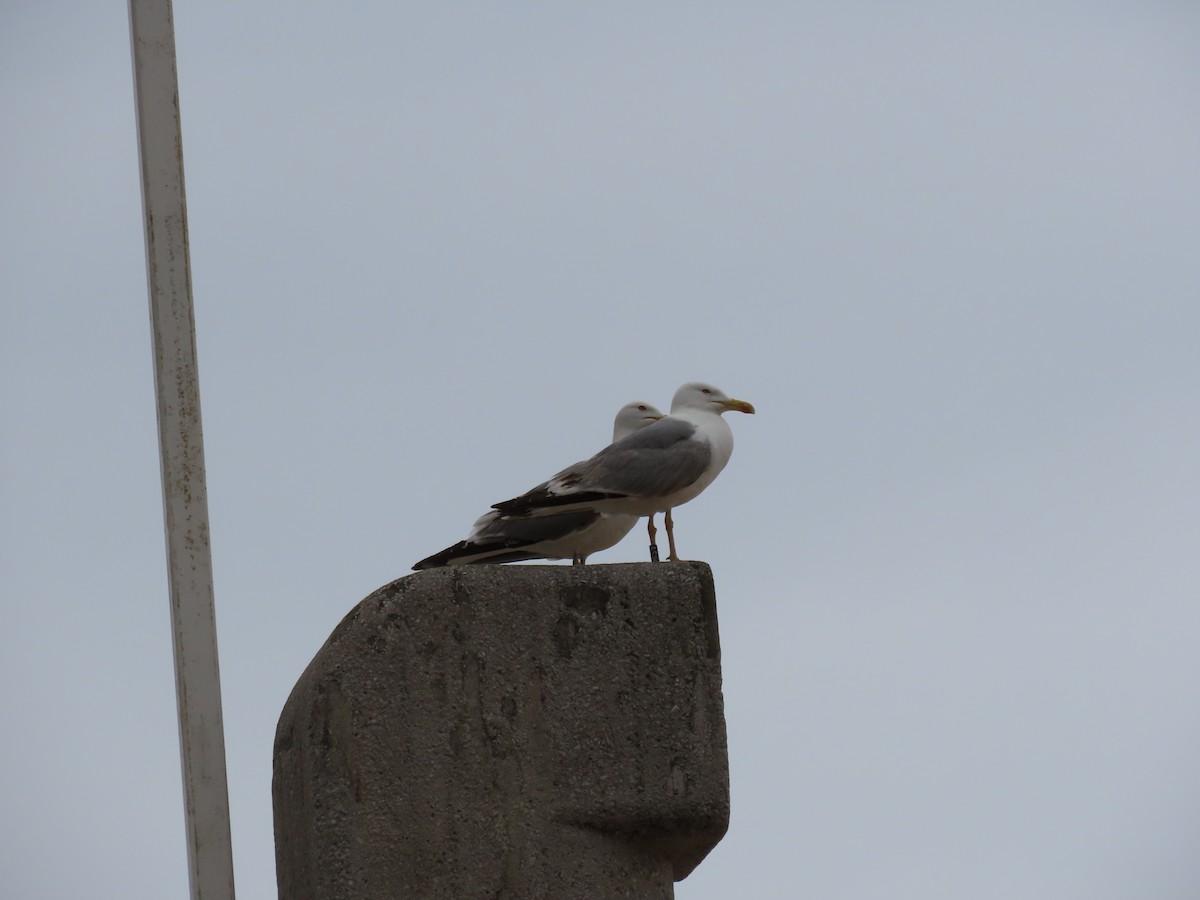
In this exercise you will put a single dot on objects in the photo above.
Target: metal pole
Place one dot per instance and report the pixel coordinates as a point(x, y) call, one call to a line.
point(185, 500)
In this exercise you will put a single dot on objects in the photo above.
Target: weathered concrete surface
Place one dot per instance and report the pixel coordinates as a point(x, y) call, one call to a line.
point(508, 732)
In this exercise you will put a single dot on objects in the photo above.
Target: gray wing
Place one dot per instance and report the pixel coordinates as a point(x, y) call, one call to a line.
point(653, 462)
point(643, 464)
point(660, 435)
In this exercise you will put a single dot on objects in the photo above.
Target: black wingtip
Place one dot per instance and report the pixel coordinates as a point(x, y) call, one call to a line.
point(495, 552)
point(443, 557)
point(529, 503)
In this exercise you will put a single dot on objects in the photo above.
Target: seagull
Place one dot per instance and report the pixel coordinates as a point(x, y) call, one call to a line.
point(653, 470)
point(574, 535)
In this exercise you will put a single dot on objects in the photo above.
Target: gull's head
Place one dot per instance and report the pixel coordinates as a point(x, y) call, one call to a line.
point(701, 396)
point(633, 417)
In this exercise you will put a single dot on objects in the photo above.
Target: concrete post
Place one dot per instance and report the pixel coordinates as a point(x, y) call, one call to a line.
point(507, 732)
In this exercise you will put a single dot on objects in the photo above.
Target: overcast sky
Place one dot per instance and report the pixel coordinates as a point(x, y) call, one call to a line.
point(951, 254)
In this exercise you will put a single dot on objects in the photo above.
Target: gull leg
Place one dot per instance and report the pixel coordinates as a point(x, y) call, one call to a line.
point(653, 533)
point(577, 560)
point(670, 523)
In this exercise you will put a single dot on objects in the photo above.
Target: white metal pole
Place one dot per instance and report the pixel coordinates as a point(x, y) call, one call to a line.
point(185, 499)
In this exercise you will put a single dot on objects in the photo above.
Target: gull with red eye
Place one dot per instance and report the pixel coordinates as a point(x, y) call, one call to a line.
point(653, 470)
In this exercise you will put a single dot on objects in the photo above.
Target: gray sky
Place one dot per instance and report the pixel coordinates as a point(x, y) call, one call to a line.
point(950, 254)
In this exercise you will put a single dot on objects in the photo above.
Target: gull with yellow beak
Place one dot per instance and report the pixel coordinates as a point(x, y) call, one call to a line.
point(653, 470)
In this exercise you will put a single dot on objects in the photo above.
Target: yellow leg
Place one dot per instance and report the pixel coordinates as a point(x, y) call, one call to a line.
point(670, 523)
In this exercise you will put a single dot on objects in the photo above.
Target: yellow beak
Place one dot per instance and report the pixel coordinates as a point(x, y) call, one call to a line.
point(740, 406)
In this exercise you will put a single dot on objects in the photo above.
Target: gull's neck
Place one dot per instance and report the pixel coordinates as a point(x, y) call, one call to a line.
point(697, 415)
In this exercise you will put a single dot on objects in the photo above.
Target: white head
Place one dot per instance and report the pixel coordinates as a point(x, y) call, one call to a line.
point(701, 396)
point(634, 417)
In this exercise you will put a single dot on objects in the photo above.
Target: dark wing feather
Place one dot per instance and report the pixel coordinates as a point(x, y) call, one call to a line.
point(655, 461)
point(501, 541)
